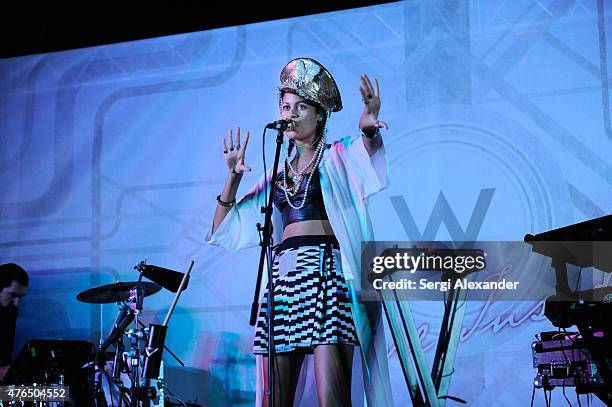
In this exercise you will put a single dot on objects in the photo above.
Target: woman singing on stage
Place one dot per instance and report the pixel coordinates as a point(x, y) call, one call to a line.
point(320, 220)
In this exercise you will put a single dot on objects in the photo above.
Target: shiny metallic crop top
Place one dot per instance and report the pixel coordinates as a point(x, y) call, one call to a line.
point(313, 209)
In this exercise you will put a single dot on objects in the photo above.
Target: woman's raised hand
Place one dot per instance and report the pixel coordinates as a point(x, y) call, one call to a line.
point(370, 96)
point(234, 153)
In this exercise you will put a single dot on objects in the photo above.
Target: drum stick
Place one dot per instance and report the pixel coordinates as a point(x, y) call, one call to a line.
point(177, 295)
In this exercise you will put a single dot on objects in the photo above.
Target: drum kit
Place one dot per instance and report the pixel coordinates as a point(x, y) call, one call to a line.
point(137, 355)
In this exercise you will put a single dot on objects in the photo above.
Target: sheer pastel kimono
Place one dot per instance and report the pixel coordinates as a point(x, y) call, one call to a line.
point(349, 176)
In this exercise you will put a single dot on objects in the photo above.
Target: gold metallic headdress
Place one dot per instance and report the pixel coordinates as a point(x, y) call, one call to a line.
point(312, 81)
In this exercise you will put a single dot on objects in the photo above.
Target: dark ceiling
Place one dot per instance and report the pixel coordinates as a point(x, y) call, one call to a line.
point(31, 28)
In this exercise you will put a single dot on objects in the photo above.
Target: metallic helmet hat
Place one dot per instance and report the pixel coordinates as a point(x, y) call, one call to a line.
point(310, 80)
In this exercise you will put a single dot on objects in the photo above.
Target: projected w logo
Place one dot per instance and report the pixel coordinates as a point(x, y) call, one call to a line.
point(442, 213)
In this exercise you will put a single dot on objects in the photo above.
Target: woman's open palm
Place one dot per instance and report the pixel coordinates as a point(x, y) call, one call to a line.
point(234, 153)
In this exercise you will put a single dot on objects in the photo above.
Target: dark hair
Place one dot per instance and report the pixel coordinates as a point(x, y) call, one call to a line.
point(10, 272)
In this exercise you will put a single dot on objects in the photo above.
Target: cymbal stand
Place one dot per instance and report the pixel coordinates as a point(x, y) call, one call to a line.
point(115, 337)
point(136, 335)
point(99, 398)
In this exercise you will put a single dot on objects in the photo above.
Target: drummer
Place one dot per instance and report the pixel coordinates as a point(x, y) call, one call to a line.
point(14, 283)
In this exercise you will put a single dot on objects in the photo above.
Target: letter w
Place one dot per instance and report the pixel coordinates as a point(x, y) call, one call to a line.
point(442, 213)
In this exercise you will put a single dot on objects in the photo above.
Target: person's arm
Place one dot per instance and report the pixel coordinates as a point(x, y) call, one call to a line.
point(234, 159)
point(368, 122)
point(227, 199)
point(372, 140)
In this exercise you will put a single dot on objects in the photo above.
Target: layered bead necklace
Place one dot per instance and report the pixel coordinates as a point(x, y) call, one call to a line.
point(297, 177)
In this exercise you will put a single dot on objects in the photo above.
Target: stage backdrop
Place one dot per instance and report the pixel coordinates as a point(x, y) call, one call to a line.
point(499, 117)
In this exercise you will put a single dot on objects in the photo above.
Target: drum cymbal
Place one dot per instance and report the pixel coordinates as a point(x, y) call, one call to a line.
point(116, 292)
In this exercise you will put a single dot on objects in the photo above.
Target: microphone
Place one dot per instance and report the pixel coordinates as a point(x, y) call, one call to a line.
point(281, 125)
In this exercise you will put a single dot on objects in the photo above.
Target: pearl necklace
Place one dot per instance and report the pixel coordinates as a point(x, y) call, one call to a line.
point(317, 159)
point(298, 175)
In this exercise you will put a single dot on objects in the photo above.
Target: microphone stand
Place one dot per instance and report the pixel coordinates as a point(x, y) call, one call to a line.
point(266, 249)
point(136, 304)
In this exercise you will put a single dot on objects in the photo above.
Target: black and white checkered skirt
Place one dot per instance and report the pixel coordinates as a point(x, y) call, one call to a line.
point(311, 300)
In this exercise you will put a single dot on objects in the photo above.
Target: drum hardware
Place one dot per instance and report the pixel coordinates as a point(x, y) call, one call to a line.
point(116, 292)
point(157, 334)
point(141, 358)
point(169, 279)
